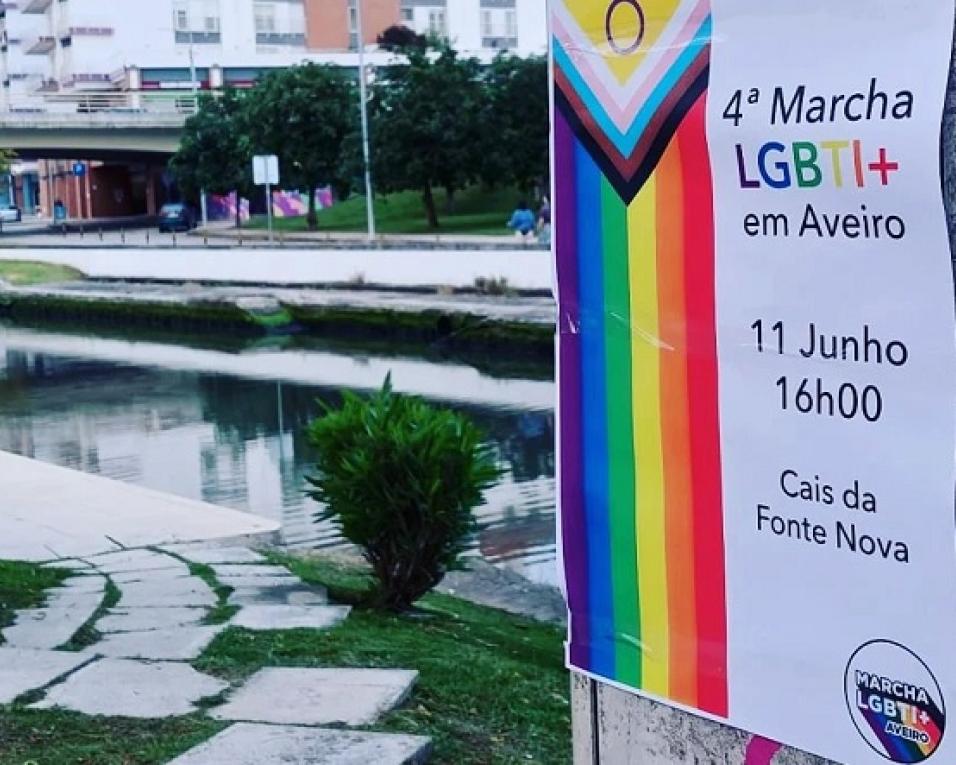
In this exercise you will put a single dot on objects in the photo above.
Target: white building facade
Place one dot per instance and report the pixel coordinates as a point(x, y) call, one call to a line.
point(53, 49)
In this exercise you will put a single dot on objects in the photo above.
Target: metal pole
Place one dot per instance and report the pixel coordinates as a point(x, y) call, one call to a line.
point(363, 97)
point(195, 90)
point(269, 209)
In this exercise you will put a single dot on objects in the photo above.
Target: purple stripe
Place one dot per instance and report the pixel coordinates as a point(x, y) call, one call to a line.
point(569, 348)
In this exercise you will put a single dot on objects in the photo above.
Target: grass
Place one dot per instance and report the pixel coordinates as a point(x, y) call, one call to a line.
point(24, 273)
point(492, 687)
point(22, 586)
point(476, 211)
point(41, 737)
point(87, 635)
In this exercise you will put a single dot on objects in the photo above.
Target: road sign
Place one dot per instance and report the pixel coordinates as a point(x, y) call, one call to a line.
point(265, 170)
point(79, 169)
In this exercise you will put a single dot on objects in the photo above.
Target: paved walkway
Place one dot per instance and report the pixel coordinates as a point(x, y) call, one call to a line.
point(161, 620)
point(426, 269)
point(49, 512)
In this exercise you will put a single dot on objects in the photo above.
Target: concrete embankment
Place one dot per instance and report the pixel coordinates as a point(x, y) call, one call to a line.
point(510, 325)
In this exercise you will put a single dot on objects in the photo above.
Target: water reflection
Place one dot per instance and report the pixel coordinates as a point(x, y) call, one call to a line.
point(227, 426)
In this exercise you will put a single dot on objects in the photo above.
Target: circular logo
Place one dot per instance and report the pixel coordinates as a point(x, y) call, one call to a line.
point(624, 49)
point(895, 702)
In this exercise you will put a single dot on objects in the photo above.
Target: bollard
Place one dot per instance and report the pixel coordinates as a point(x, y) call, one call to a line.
point(63, 228)
point(81, 231)
point(123, 235)
point(205, 239)
point(147, 236)
point(174, 238)
point(101, 233)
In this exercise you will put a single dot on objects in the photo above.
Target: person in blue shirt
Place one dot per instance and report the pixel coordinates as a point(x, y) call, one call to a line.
point(522, 221)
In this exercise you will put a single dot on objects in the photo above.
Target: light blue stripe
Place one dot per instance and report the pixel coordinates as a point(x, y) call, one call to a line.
point(594, 412)
point(626, 142)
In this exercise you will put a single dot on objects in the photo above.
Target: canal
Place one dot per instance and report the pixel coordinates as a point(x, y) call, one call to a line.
point(223, 421)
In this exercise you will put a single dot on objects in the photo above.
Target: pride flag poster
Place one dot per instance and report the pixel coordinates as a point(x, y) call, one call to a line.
point(756, 364)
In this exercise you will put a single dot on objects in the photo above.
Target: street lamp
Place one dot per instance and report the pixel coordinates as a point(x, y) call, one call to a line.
point(363, 97)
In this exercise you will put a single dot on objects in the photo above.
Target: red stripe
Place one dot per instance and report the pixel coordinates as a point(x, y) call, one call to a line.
point(710, 591)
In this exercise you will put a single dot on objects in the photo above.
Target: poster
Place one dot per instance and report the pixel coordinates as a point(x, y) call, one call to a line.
point(757, 364)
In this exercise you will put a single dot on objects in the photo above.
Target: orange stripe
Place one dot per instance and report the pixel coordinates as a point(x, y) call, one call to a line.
point(675, 428)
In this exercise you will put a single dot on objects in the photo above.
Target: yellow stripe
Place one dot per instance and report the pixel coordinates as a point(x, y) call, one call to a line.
point(645, 356)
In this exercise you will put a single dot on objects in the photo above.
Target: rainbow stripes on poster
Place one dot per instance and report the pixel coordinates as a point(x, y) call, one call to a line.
point(641, 507)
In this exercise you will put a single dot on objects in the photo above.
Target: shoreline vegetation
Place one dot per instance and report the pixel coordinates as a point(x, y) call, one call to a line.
point(451, 332)
point(492, 688)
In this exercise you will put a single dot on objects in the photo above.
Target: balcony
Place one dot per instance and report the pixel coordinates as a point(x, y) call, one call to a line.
point(39, 46)
point(36, 6)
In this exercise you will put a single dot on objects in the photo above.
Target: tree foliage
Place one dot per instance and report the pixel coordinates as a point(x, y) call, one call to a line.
point(215, 151)
point(304, 114)
point(397, 38)
point(517, 146)
point(7, 156)
point(400, 478)
point(426, 125)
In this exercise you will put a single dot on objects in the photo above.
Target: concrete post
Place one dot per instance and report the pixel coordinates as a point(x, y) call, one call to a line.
point(611, 727)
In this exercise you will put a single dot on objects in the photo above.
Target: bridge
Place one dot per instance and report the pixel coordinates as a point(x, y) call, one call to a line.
point(96, 126)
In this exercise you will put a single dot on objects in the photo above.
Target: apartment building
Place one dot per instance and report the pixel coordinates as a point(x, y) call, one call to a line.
point(75, 46)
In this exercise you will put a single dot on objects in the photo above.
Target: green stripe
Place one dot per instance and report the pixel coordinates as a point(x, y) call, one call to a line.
point(621, 463)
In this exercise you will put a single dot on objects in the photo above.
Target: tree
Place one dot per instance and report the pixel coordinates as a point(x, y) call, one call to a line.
point(304, 114)
point(6, 160)
point(426, 125)
point(214, 154)
point(517, 147)
point(401, 479)
point(397, 38)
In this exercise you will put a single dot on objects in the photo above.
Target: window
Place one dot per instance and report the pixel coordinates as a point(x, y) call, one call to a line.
point(511, 24)
point(436, 21)
point(408, 16)
point(265, 18)
point(182, 20)
point(487, 24)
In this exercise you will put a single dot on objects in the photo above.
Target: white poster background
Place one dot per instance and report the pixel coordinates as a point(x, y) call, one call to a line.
point(798, 610)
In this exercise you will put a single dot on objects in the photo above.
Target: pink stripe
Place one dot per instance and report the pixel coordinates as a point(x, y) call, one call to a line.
point(623, 115)
point(760, 751)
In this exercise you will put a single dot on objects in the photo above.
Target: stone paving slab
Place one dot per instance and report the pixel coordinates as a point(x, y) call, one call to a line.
point(164, 574)
point(24, 669)
point(136, 561)
point(126, 688)
point(249, 744)
point(212, 555)
point(248, 570)
point(300, 696)
point(298, 595)
point(172, 644)
point(280, 617)
point(166, 593)
point(144, 619)
point(80, 585)
point(244, 582)
point(51, 626)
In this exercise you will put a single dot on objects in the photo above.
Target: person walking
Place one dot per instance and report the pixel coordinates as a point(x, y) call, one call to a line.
point(544, 223)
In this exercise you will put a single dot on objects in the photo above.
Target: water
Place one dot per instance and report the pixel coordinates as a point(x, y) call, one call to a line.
point(225, 425)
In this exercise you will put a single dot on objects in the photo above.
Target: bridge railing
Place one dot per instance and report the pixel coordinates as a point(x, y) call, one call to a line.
point(104, 102)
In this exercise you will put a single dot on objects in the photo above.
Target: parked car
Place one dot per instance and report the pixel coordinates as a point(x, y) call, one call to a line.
point(10, 215)
point(176, 217)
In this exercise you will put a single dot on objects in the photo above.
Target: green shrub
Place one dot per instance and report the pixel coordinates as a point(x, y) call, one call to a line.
point(400, 479)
